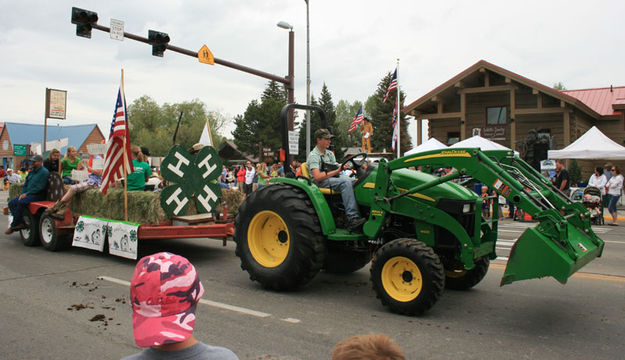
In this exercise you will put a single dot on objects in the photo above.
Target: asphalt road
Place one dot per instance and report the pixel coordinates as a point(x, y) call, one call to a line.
point(50, 302)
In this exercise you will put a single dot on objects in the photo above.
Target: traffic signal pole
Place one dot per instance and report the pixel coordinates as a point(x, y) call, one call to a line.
point(283, 80)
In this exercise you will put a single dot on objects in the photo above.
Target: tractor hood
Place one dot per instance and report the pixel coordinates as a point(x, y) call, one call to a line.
point(405, 179)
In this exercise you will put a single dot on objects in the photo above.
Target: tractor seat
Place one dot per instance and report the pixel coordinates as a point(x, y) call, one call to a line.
point(324, 191)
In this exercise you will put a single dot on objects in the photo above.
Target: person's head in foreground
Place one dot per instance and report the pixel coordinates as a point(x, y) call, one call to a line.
point(164, 292)
point(367, 347)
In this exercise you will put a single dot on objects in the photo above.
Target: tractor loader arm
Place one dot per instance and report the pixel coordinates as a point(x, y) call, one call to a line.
point(558, 246)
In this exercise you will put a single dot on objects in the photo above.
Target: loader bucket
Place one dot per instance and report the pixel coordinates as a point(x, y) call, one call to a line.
point(535, 255)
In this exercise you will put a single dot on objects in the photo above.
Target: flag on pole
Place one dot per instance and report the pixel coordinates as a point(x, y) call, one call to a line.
point(114, 158)
point(206, 139)
point(392, 86)
point(395, 138)
point(357, 120)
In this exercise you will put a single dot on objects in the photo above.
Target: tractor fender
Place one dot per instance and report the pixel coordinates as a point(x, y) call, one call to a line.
point(319, 202)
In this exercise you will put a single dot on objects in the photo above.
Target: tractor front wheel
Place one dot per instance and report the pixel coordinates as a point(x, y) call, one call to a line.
point(279, 238)
point(407, 276)
point(466, 279)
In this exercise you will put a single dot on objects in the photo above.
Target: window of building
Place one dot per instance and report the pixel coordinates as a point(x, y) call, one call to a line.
point(496, 115)
point(453, 137)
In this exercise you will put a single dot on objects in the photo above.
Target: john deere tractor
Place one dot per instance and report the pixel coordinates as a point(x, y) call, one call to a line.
point(423, 233)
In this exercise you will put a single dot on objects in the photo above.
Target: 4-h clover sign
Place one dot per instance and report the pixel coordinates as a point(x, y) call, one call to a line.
point(191, 178)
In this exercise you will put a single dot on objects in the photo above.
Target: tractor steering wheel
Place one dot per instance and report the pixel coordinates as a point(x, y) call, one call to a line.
point(356, 165)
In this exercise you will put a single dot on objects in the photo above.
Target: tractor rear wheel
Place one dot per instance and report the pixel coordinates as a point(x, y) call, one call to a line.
point(466, 279)
point(407, 276)
point(279, 238)
point(30, 234)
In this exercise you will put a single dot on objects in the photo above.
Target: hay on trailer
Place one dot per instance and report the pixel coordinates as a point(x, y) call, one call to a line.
point(144, 207)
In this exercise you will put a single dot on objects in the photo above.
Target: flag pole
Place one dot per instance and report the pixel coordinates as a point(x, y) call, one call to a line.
point(125, 158)
point(398, 113)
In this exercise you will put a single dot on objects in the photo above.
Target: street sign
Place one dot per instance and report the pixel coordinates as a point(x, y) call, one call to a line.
point(205, 56)
point(56, 103)
point(117, 30)
point(19, 150)
point(294, 142)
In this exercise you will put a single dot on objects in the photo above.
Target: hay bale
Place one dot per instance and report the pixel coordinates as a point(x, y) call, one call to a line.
point(15, 190)
point(144, 207)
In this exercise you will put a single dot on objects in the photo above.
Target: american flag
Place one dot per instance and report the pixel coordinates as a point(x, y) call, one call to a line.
point(357, 120)
point(395, 129)
point(392, 86)
point(114, 159)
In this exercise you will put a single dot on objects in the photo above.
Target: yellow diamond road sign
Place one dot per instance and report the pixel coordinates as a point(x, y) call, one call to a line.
point(205, 56)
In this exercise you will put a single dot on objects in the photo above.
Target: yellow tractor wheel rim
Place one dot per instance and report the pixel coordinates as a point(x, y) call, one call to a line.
point(401, 279)
point(268, 239)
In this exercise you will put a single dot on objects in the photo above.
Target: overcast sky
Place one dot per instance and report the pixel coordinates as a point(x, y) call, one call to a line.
point(353, 45)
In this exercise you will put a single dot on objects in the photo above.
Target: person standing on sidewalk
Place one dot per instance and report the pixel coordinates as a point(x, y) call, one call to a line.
point(615, 186)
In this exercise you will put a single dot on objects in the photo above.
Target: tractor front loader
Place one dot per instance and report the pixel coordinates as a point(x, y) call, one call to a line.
point(423, 233)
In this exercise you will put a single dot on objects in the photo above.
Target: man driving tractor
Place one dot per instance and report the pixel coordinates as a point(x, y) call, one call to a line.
point(326, 173)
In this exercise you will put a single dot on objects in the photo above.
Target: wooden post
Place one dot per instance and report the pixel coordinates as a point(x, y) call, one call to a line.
point(512, 119)
point(567, 129)
point(419, 130)
point(463, 116)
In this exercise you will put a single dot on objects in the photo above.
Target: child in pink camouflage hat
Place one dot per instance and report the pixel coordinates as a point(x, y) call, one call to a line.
point(164, 292)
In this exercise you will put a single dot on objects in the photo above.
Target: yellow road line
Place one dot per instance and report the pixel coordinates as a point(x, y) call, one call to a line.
point(583, 275)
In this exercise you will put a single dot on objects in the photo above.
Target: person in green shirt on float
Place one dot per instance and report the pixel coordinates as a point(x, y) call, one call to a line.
point(70, 162)
point(137, 179)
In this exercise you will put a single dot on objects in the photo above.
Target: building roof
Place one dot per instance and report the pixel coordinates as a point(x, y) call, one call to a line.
point(600, 100)
point(483, 64)
point(20, 133)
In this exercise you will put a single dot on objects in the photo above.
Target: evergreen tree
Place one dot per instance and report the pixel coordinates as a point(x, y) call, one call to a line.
point(260, 123)
point(381, 115)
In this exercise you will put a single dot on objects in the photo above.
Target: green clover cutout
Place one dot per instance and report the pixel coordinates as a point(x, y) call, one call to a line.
point(191, 178)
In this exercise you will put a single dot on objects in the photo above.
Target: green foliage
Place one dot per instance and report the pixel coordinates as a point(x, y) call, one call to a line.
point(153, 126)
point(345, 113)
point(260, 123)
point(575, 173)
point(559, 86)
point(339, 142)
point(381, 118)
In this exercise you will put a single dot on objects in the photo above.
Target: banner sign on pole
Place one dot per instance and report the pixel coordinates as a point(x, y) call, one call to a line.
point(56, 108)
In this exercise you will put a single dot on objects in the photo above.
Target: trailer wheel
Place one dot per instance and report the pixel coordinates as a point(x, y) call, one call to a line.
point(345, 261)
point(407, 276)
point(49, 238)
point(278, 237)
point(466, 279)
point(30, 234)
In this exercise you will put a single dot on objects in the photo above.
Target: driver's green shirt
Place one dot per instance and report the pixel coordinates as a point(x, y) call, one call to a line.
point(315, 156)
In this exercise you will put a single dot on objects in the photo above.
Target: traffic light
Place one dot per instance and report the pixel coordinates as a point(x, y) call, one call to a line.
point(84, 19)
point(159, 42)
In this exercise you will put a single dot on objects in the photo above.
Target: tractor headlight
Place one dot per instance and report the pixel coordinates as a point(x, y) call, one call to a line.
point(466, 208)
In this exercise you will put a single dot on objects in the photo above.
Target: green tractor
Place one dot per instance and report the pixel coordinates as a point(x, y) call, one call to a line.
point(423, 233)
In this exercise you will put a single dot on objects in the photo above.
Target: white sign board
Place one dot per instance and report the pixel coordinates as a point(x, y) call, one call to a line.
point(117, 30)
point(547, 165)
point(96, 149)
point(57, 144)
point(294, 142)
point(35, 148)
point(56, 106)
point(80, 175)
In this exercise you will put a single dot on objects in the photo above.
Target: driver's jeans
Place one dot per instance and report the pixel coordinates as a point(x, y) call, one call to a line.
point(346, 186)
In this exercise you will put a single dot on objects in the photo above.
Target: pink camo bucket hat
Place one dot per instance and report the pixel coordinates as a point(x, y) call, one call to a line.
point(164, 291)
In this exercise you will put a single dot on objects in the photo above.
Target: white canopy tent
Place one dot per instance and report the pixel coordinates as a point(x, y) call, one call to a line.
point(431, 144)
point(482, 143)
point(592, 145)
